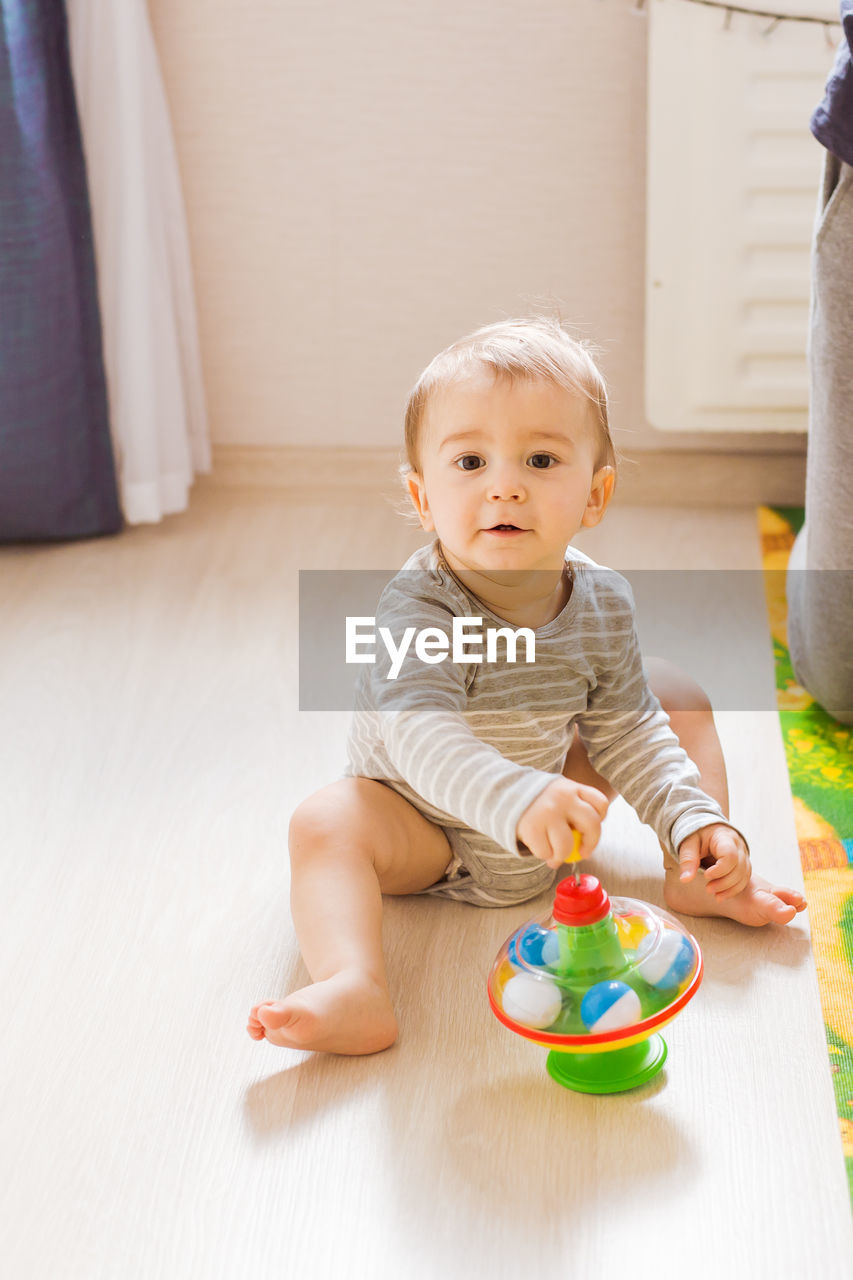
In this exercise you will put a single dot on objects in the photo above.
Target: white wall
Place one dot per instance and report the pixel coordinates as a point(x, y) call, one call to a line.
point(365, 182)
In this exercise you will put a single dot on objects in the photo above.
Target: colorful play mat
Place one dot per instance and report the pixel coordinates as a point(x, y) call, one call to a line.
point(819, 752)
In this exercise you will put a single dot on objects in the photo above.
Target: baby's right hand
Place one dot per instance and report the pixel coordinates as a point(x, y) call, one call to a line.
point(547, 825)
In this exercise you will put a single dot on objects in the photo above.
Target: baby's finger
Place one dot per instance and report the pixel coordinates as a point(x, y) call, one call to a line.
point(725, 842)
point(728, 885)
point(550, 859)
point(726, 894)
point(734, 881)
point(550, 851)
point(595, 798)
point(689, 856)
point(722, 867)
point(563, 841)
point(535, 843)
point(546, 853)
point(587, 822)
point(541, 844)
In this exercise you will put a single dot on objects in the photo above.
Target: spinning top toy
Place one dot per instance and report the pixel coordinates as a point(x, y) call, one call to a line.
point(595, 983)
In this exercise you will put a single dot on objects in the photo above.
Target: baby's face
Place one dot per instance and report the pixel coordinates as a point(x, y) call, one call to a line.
point(508, 473)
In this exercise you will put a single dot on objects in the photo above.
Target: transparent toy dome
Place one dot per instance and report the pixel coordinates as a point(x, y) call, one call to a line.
point(599, 974)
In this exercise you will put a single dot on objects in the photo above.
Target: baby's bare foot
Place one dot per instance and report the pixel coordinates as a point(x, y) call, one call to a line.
point(347, 1013)
point(759, 903)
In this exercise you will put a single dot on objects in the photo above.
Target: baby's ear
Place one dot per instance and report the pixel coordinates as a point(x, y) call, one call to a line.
point(417, 492)
point(600, 493)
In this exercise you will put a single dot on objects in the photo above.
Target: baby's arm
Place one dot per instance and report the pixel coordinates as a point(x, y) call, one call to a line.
point(436, 752)
point(522, 809)
point(629, 741)
point(423, 719)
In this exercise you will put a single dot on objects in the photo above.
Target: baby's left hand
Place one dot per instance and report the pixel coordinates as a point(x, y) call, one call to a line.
point(728, 869)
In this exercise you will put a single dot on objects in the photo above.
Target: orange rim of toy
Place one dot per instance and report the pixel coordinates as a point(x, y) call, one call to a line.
point(621, 1037)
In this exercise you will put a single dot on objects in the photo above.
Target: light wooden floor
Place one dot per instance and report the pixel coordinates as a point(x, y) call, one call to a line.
point(151, 756)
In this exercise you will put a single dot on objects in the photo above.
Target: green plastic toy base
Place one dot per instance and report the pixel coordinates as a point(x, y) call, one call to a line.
point(611, 1072)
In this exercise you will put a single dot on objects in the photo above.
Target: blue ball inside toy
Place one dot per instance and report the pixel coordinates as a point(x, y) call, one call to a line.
point(533, 946)
point(665, 962)
point(610, 1005)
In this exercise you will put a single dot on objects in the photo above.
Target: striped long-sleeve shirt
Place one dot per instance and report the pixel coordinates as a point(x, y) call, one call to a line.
point(473, 743)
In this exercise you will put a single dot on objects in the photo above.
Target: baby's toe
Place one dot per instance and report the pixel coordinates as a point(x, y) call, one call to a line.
point(775, 908)
point(273, 1015)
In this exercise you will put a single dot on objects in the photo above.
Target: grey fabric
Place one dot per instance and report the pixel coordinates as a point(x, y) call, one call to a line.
point(820, 575)
point(57, 478)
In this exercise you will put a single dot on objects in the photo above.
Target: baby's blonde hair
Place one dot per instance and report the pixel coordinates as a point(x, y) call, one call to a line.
point(536, 347)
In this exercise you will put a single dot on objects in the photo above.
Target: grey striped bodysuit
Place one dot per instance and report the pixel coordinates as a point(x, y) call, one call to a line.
point(471, 744)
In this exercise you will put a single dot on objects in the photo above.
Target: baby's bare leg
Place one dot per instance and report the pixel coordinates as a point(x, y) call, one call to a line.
point(691, 719)
point(349, 844)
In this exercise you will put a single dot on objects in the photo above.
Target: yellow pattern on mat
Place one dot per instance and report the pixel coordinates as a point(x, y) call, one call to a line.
point(819, 752)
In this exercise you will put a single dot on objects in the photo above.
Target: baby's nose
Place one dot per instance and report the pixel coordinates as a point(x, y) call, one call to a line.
point(506, 484)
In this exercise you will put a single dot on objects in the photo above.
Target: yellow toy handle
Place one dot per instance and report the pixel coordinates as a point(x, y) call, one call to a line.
point(575, 856)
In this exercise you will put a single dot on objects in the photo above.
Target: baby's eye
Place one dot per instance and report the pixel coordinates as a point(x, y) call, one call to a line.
point(470, 462)
point(541, 461)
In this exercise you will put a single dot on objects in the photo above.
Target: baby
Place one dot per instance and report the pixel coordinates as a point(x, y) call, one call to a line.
point(474, 778)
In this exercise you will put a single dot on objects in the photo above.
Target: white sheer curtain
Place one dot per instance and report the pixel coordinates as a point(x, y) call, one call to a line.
point(150, 336)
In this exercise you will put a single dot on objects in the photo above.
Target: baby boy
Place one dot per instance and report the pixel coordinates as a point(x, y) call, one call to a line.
point(475, 779)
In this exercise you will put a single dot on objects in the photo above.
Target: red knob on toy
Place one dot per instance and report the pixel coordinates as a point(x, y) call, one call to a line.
point(579, 902)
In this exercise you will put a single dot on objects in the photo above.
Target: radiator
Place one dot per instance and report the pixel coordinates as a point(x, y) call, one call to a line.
point(733, 175)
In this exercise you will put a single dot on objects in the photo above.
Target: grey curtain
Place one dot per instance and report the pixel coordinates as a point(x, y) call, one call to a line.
point(57, 476)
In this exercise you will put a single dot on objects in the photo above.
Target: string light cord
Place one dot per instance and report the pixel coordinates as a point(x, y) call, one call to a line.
point(831, 26)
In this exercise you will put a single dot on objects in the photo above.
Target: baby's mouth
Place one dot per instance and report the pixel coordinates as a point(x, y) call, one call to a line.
point(505, 528)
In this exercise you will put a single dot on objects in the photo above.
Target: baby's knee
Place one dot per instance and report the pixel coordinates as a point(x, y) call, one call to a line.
point(308, 827)
point(674, 688)
point(329, 818)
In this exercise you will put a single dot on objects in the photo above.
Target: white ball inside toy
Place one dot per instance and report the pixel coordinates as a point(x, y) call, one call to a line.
point(534, 1002)
point(666, 961)
point(609, 1006)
